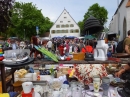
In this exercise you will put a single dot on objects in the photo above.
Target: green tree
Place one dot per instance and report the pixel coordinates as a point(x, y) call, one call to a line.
point(98, 12)
point(26, 17)
point(81, 25)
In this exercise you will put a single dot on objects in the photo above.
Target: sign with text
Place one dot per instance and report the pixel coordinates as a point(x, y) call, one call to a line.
point(37, 29)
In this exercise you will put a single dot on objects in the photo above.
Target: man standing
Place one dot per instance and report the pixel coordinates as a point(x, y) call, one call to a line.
point(49, 45)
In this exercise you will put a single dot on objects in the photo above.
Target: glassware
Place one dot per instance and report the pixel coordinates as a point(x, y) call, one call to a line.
point(64, 90)
point(6, 54)
point(14, 56)
point(50, 91)
point(73, 84)
point(105, 86)
point(77, 92)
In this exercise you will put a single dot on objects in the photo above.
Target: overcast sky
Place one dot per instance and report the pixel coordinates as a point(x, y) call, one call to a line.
point(76, 8)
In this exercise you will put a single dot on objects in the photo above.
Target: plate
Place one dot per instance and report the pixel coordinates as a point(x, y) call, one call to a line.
point(10, 61)
point(23, 59)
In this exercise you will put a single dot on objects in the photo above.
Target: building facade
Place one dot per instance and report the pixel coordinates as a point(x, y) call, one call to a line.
point(120, 22)
point(65, 25)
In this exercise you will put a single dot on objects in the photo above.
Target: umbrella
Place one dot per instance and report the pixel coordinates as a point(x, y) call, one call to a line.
point(90, 37)
point(70, 37)
point(92, 25)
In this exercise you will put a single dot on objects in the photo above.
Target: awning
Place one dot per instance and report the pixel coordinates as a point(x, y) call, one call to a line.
point(111, 33)
point(90, 37)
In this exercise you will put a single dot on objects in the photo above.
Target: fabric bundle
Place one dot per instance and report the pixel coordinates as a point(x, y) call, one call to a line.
point(1, 53)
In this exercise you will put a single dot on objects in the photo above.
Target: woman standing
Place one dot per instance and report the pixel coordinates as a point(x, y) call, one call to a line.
point(34, 41)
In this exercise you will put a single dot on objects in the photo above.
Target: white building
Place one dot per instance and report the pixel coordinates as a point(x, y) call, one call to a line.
point(120, 22)
point(65, 25)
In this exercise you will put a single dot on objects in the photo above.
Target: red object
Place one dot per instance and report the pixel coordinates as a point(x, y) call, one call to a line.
point(88, 49)
point(1, 58)
point(68, 58)
point(31, 94)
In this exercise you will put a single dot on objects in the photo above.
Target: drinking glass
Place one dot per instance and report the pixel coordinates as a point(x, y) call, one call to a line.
point(77, 92)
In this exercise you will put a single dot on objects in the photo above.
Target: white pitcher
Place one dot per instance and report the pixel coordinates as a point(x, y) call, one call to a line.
point(27, 87)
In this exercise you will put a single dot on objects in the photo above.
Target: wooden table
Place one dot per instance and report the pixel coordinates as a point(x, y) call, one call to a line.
point(121, 55)
point(122, 60)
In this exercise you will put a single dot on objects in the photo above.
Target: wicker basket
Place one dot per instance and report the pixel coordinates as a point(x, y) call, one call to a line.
point(78, 56)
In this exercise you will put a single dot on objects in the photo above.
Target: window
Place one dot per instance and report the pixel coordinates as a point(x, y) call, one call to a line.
point(71, 25)
point(62, 26)
point(69, 21)
point(58, 31)
point(64, 13)
point(61, 21)
point(71, 31)
point(65, 17)
point(77, 30)
point(67, 25)
point(53, 31)
point(62, 31)
point(57, 26)
point(66, 31)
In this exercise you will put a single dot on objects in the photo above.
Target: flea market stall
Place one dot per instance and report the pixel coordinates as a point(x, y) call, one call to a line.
point(76, 75)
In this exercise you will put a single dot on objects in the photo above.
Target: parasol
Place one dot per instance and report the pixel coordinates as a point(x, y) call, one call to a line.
point(90, 37)
point(92, 25)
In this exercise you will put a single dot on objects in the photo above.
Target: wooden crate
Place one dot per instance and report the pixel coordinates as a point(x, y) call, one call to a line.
point(78, 56)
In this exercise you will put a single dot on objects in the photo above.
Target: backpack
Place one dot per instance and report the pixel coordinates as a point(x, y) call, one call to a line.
point(119, 48)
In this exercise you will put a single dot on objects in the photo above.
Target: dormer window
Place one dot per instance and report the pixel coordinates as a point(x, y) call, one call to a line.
point(57, 26)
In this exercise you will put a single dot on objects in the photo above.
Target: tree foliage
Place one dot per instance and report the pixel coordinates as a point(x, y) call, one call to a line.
point(5, 14)
point(98, 12)
point(25, 18)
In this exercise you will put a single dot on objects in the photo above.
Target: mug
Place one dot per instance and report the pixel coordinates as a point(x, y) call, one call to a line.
point(96, 83)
